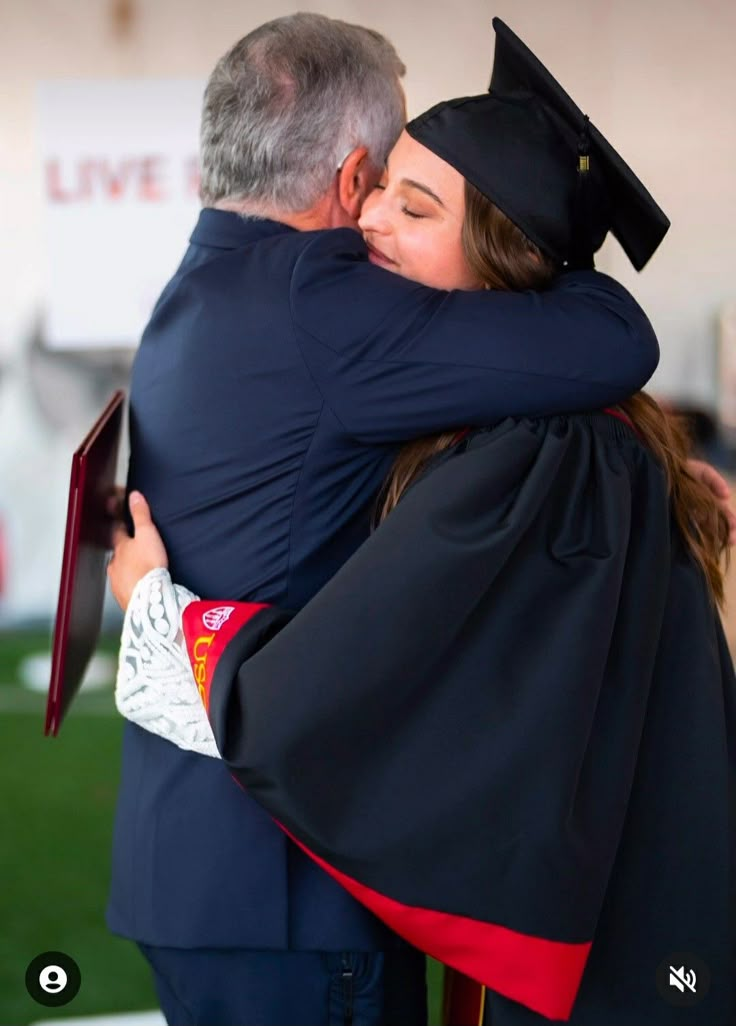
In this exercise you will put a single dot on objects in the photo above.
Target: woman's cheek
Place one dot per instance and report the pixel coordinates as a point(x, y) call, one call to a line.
point(416, 256)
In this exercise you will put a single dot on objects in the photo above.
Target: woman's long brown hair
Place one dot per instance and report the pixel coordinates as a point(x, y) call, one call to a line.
point(503, 257)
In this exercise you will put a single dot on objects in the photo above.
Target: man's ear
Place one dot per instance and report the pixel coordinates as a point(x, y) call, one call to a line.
point(356, 178)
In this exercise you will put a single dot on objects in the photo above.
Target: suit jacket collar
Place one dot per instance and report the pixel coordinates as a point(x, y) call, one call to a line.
point(225, 229)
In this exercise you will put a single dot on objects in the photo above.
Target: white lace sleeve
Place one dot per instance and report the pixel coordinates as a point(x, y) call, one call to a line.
point(155, 687)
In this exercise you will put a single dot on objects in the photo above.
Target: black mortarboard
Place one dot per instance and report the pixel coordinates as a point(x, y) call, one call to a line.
point(527, 147)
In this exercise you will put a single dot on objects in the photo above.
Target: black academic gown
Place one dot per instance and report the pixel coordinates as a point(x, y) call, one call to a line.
point(508, 726)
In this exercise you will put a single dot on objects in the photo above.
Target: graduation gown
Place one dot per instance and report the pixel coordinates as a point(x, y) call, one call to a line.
point(507, 726)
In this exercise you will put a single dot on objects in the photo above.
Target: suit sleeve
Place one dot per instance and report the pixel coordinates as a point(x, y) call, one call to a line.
point(395, 360)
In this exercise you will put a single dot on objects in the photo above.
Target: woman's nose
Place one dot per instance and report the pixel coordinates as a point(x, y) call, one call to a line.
point(373, 217)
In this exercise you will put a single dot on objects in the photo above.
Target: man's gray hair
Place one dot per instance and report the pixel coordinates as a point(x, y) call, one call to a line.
point(287, 104)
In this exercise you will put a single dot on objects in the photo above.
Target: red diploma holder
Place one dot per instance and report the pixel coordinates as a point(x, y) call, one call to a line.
point(87, 540)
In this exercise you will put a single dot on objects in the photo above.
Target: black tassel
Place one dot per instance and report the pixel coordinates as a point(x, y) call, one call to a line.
point(581, 248)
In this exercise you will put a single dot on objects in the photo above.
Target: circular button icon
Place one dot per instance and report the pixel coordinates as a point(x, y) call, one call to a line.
point(53, 979)
point(683, 979)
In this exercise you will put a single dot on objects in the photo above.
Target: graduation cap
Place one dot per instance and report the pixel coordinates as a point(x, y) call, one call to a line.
point(530, 149)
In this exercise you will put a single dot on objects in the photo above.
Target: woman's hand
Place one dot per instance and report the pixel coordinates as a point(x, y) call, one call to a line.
point(719, 486)
point(133, 558)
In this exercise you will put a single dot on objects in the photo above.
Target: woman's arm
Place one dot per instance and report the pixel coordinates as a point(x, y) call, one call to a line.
point(155, 687)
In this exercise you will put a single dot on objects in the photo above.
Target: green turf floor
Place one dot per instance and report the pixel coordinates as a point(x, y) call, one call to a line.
point(57, 803)
point(57, 806)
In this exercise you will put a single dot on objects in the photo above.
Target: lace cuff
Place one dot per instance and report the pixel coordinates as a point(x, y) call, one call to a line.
point(155, 687)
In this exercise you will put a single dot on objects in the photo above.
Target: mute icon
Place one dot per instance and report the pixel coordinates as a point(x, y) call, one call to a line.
point(681, 978)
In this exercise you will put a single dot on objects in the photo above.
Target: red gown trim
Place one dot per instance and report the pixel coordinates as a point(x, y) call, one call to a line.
point(542, 974)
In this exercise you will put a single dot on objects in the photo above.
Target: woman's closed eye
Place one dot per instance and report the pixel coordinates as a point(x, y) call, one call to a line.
point(381, 187)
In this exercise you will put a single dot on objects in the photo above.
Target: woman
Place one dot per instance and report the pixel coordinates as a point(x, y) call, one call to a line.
point(521, 677)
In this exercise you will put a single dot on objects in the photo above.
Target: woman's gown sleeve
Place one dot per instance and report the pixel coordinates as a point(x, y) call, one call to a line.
point(451, 727)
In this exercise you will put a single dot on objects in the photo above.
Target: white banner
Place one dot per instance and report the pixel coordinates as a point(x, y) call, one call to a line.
point(121, 179)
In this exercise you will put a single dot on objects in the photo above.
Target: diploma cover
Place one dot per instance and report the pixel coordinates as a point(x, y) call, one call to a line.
point(83, 573)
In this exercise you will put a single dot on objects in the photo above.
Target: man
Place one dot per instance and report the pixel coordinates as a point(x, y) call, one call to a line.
point(277, 377)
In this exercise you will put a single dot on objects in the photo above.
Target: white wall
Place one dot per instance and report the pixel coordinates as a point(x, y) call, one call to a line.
point(657, 76)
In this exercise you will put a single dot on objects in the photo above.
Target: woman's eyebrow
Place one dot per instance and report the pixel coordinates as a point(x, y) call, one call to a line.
point(422, 188)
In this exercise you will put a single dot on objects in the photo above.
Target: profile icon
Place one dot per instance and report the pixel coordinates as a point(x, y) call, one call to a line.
point(53, 979)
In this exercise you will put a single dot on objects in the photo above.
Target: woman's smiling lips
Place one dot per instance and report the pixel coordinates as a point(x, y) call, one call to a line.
point(377, 257)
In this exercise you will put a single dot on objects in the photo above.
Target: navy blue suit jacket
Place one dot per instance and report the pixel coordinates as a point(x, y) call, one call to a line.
point(277, 377)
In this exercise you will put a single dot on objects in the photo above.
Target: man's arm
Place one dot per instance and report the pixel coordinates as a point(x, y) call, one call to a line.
point(394, 359)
